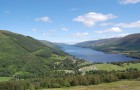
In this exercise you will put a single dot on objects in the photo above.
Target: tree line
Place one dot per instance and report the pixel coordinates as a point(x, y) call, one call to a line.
point(70, 79)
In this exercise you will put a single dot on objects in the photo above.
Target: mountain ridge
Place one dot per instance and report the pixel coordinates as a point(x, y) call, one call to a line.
point(128, 45)
point(22, 56)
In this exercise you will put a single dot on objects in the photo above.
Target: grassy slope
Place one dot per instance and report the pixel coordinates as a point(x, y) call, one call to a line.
point(23, 53)
point(15, 45)
point(9, 48)
point(110, 67)
point(49, 44)
point(5, 79)
point(96, 42)
point(120, 85)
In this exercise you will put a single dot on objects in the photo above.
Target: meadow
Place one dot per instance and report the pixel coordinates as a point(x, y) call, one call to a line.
point(119, 85)
point(5, 79)
point(110, 67)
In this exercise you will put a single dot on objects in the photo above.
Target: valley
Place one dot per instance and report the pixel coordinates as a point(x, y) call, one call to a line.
point(92, 55)
point(27, 63)
point(69, 45)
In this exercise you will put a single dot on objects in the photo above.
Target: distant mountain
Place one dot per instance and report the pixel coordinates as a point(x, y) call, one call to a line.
point(60, 44)
point(50, 44)
point(128, 45)
point(22, 56)
point(96, 42)
point(131, 41)
point(55, 46)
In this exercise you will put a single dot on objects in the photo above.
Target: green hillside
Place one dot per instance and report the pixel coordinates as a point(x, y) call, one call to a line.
point(28, 64)
point(50, 44)
point(23, 56)
point(128, 45)
point(96, 42)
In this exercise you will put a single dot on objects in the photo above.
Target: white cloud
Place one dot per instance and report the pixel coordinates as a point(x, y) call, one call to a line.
point(114, 36)
point(106, 24)
point(91, 18)
point(34, 30)
point(79, 34)
point(129, 1)
point(135, 24)
point(50, 32)
point(74, 9)
point(113, 29)
point(122, 35)
point(43, 19)
point(65, 29)
point(45, 34)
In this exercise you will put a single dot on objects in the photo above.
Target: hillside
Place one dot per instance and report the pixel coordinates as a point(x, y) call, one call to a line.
point(131, 41)
point(96, 42)
point(128, 45)
point(26, 63)
point(50, 44)
point(23, 56)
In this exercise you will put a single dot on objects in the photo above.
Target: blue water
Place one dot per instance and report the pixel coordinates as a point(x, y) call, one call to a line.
point(93, 55)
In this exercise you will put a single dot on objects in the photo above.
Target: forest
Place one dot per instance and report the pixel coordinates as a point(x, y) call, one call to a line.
point(61, 79)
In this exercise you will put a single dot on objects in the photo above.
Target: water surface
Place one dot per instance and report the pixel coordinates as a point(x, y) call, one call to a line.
point(93, 55)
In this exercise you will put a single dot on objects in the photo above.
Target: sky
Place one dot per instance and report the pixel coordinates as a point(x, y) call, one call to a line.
point(70, 21)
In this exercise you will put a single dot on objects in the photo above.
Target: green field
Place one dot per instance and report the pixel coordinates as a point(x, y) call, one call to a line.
point(110, 67)
point(5, 79)
point(120, 85)
point(85, 63)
